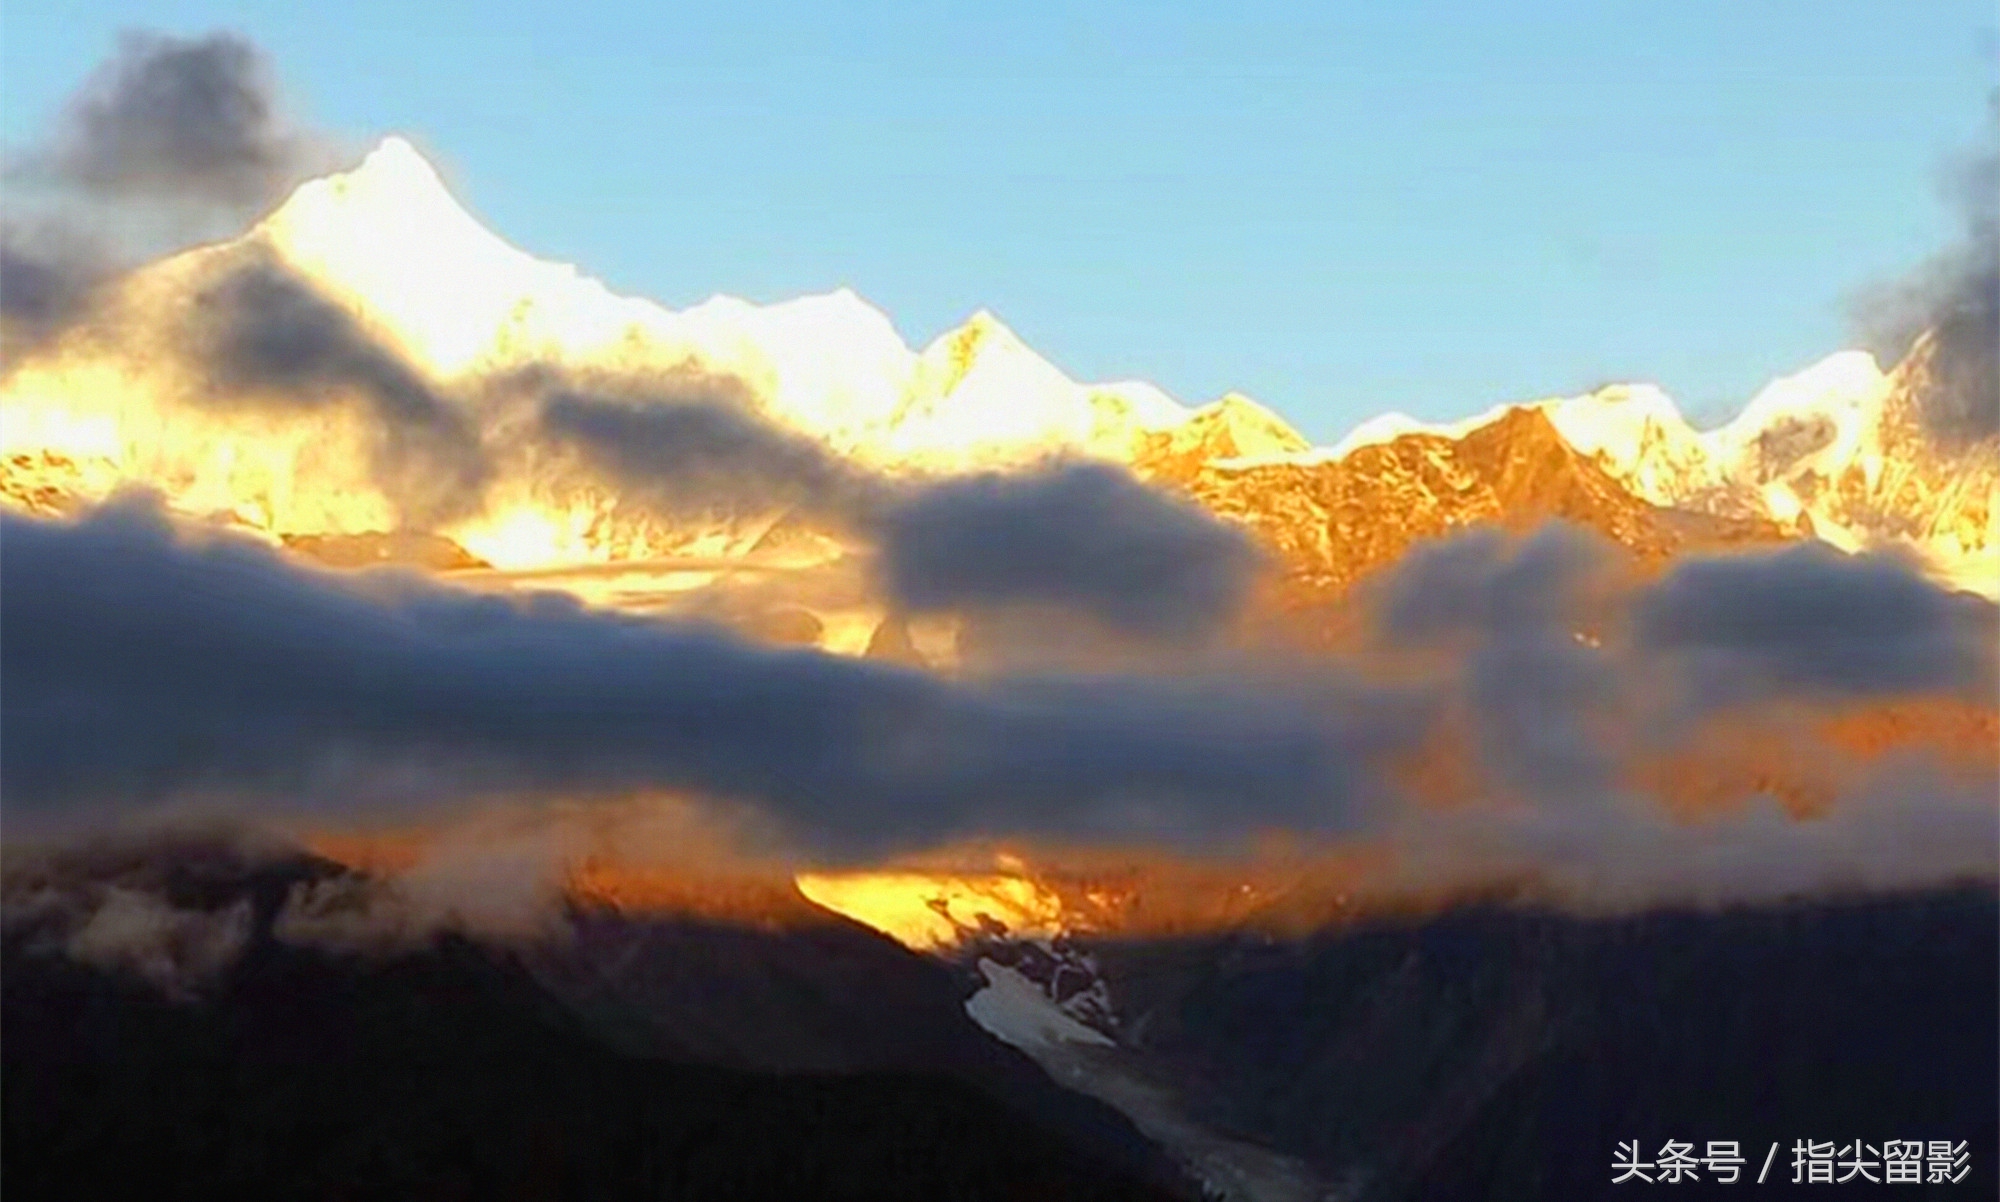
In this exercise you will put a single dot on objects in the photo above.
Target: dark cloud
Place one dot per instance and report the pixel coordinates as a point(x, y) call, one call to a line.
point(692, 444)
point(138, 667)
point(266, 336)
point(1486, 581)
point(1085, 536)
point(42, 282)
point(184, 120)
point(1563, 661)
point(1955, 298)
point(1811, 620)
point(1512, 620)
point(49, 274)
point(1805, 620)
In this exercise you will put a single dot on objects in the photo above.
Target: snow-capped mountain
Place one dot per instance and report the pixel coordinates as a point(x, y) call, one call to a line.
point(1333, 519)
point(1838, 448)
point(388, 240)
point(123, 399)
point(1836, 451)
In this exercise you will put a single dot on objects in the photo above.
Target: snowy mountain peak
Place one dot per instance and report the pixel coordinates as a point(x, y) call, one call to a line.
point(1237, 408)
point(985, 323)
point(394, 191)
point(395, 168)
point(1840, 384)
point(1624, 425)
point(983, 336)
point(979, 392)
point(389, 239)
point(1233, 427)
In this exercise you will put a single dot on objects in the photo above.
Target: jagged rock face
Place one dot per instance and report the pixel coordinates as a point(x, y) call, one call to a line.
point(1330, 523)
point(49, 483)
point(1943, 499)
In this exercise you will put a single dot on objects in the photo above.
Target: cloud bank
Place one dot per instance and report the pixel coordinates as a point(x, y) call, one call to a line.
point(141, 666)
point(1083, 535)
point(1631, 741)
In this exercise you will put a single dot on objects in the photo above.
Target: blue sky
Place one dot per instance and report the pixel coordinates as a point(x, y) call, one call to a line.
point(1337, 208)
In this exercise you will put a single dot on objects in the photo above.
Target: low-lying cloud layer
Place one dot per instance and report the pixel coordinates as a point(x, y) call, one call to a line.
point(1804, 621)
point(146, 666)
point(139, 667)
point(1811, 620)
point(1632, 741)
point(1086, 536)
point(140, 902)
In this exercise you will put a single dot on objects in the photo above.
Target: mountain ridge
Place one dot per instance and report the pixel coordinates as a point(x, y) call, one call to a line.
point(1831, 452)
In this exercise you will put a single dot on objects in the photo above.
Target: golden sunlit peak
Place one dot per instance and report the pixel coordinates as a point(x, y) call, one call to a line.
point(929, 911)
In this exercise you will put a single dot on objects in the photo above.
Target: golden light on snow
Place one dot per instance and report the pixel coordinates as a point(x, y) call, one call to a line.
point(35, 424)
point(519, 538)
point(925, 911)
point(389, 243)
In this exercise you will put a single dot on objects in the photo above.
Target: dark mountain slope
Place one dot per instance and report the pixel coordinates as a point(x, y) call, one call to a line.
point(450, 1073)
point(1495, 1053)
